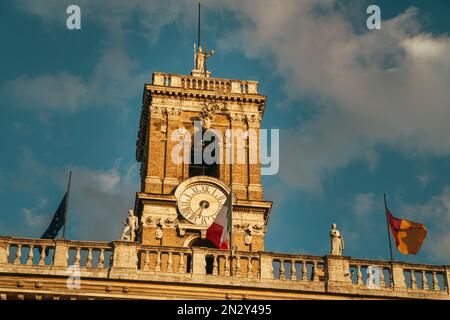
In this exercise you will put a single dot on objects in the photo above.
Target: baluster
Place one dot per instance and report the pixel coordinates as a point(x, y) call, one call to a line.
point(158, 261)
point(77, 257)
point(146, 261)
point(271, 268)
point(424, 281)
point(282, 277)
point(30, 255)
point(181, 265)
point(413, 280)
point(101, 259)
point(315, 272)
point(227, 266)
point(42, 256)
point(215, 271)
point(382, 283)
point(359, 279)
point(293, 270)
point(304, 271)
point(169, 262)
point(8, 253)
point(111, 259)
point(388, 281)
point(435, 281)
point(18, 254)
point(238, 266)
point(89, 258)
point(249, 268)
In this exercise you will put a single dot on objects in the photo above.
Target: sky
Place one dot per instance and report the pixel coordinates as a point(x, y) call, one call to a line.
point(360, 112)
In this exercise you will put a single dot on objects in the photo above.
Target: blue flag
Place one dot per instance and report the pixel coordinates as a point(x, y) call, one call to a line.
point(58, 220)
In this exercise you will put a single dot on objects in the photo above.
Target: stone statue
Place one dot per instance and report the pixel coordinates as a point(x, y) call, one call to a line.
point(337, 241)
point(200, 57)
point(131, 226)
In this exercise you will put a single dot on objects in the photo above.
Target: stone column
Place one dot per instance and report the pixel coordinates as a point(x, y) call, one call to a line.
point(125, 259)
point(155, 165)
point(239, 156)
point(337, 273)
point(255, 189)
point(398, 277)
point(198, 262)
point(171, 181)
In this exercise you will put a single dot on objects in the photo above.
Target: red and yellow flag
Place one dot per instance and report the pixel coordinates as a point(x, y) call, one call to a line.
point(408, 235)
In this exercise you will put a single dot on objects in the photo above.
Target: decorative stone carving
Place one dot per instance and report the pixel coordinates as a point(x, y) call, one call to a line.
point(248, 238)
point(159, 233)
point(337, 241)
point(208, 113)
point(241, 227)
point(173, 112)
point(236, 116)
point(253, 119)
point(170, 222)
point(156, 112)
point(149, 221)
point(131, 226)
point(257, 228)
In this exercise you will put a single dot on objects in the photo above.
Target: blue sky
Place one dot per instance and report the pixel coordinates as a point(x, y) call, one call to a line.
point(360, 112)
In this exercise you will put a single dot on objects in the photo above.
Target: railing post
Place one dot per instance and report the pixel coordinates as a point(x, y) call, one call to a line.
point(125, 259)
point(61, 254)
point(4, 250)
point(198, 261)
point(265, 266)
point(337, 273)
point(398, 277)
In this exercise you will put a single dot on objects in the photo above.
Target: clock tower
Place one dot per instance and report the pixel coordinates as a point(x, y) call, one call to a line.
point(182, 118)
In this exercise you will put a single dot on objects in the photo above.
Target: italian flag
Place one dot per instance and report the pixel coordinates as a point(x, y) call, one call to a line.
point(219, 231)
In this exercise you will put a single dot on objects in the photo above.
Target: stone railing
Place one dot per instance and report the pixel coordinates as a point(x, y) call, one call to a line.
point(327, 275)
point(204, 83)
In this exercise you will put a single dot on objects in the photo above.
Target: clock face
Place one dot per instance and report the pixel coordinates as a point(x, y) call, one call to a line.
point(200, 203)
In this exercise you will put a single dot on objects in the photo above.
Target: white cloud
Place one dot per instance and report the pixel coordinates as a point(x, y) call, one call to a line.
point(116, 78)
point(425, 178)
point(387, 87)
point(99, 198)
point(51, 92)
point(364, 204)
point(435, 214)
point(34, 218)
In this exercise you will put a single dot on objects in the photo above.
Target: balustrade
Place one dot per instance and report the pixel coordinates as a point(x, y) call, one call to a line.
point(290, 271)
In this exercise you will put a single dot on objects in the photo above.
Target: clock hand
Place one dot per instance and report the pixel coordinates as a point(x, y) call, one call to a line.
point(199, 208)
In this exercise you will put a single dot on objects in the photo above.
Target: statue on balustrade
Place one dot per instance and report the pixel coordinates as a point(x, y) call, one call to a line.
point(200, 58)
point(337, 241)
point(131, 226)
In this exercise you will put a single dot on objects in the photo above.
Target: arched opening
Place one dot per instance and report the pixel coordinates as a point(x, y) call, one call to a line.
point(209, 259)
point(199, 165)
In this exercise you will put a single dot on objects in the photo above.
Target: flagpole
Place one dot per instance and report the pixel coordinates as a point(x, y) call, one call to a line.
point(387, 225)
point(66, 205)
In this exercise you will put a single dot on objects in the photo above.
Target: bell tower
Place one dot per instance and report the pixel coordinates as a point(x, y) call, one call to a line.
point(181, 192)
